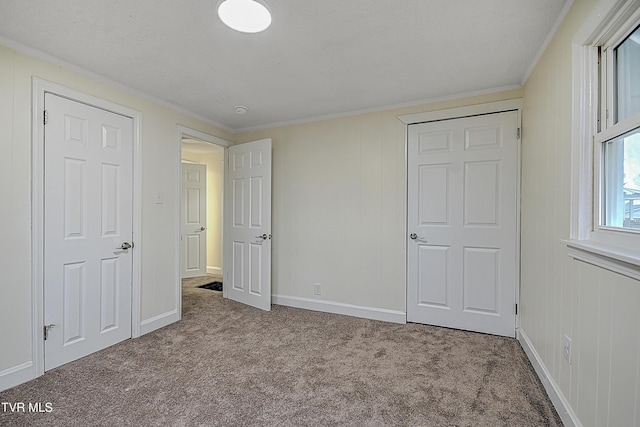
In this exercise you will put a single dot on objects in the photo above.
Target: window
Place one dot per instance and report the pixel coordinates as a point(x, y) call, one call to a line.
point(605, 183)
point(627, 76)
point(621, 182)
point(618, 140)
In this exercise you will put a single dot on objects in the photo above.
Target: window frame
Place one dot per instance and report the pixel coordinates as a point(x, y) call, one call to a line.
point(615, 249)
point(608, 47)
point(600, 139)
point(609, 128)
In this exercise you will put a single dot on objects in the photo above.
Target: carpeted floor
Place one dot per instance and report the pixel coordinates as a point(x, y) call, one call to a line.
point(228, 364)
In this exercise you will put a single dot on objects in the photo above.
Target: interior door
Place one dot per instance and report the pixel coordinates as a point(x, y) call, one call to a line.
point(247, 256)
point(462, 224)
point(88, 204)
point(194, 220)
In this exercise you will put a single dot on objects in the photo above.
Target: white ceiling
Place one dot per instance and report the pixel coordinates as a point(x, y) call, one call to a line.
point(319, 58)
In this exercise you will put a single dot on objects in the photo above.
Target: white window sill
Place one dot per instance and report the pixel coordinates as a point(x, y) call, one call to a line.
point(612, 258)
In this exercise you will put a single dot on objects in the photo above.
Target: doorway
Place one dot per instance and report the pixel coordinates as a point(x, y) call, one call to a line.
point(201, 207)
point(202, 166)
point(246, 226)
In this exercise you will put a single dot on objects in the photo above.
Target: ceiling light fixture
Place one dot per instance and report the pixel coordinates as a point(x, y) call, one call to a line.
point(246, 16)
point(241, 109)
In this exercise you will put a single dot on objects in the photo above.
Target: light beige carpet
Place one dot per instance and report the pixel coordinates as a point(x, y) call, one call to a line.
point(228, 364)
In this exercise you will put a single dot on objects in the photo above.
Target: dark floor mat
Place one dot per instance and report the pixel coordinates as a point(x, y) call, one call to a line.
point(213, 286)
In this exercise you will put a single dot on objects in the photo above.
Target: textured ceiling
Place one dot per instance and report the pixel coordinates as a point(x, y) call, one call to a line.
point(318, 58)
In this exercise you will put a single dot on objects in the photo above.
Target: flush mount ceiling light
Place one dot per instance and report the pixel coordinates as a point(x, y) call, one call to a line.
point(246, 16)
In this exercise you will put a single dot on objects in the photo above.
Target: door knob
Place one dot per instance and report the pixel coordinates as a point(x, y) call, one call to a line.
point(413, 236)
point(203, 228)
point(47, 328)
point(125, 246)
point(263, 236)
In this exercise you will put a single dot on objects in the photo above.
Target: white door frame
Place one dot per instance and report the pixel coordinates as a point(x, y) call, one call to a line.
point(186, 132)
point(458, 113)
point(40, 87)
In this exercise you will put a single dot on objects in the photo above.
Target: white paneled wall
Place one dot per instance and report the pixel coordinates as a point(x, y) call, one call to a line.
point(15, 188)
point(160, 222)
point(336, 191)
point(339, 205)
point(597, 309)
point(339, 210)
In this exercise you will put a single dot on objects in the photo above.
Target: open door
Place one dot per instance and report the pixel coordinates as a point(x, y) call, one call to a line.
point(247, 223)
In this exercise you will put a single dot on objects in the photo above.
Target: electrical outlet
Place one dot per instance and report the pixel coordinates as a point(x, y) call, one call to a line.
point(317, 289)
point(566, 349)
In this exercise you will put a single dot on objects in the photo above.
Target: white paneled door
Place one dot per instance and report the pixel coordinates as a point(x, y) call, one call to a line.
point(194, 220)
point(247, 248)
point(88, 206)
point(462, 224)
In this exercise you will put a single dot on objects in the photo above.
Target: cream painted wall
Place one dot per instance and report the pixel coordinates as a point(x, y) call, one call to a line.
point(160, 165)
point(597, 309)
point(215, 179)
point(339, 206)
point(338, 219)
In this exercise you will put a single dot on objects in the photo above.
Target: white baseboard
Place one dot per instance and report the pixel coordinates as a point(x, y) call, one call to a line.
point(158, 322)
point(560, 402)
point(340, 308)
point(16, 375)
point(214, 270)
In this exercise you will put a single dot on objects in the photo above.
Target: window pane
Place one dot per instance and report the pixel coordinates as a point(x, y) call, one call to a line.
point(622, 181)
point(628, 76)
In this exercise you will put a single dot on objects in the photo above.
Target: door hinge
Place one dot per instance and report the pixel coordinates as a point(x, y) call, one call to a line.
point(516, 309)
point(45, 118)
point(518, 132)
